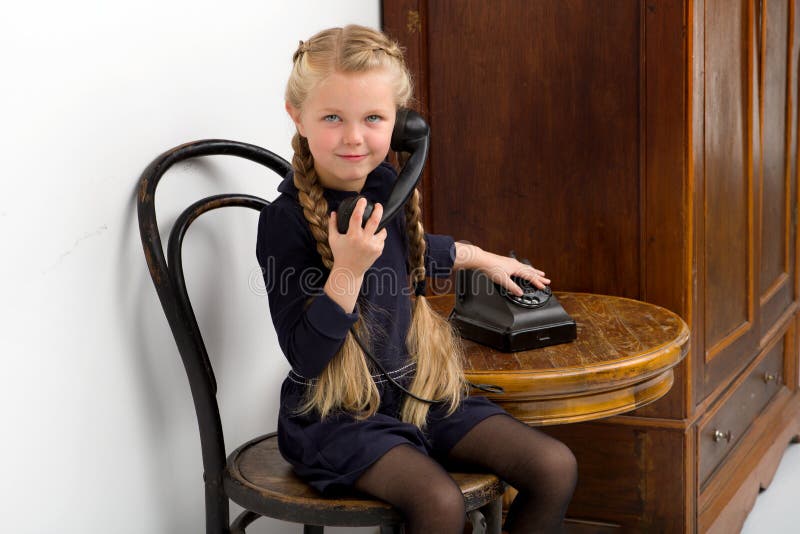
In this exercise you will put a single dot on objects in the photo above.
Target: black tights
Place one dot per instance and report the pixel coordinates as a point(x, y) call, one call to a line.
point(542, 469)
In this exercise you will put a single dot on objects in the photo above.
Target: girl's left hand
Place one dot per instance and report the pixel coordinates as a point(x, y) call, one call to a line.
point(498, 268)
point(502, 268)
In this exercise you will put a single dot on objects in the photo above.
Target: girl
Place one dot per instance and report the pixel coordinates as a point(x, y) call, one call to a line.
point(341, 424)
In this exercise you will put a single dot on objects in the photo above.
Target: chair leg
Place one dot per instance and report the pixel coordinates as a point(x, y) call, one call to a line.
point(477, 521)
point(313, 529)
point(242, 521)
point(493, 514)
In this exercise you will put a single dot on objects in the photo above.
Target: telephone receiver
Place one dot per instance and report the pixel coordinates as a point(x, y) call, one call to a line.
point(411, 134)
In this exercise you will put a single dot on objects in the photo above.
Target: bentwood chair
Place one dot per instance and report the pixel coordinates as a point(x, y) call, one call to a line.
point(255, 476)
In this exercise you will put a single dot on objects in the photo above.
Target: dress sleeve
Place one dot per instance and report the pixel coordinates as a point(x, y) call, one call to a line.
point(440, 255)
point(310, 326)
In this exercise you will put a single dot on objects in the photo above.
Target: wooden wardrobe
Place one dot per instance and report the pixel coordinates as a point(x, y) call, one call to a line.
point(646, 149)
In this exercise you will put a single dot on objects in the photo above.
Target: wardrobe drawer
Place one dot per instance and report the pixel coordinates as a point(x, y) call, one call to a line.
point(729, 421)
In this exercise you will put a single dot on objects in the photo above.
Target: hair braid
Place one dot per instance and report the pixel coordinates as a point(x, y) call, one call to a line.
point(416, 238)
point(431, 340)
point(315, 207)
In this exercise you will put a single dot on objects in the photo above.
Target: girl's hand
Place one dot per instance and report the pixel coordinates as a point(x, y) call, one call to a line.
point(358, 249)
point(504, 268)
point(498, 268)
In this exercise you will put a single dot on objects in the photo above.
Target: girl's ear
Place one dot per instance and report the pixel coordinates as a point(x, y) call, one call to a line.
point(294, 113)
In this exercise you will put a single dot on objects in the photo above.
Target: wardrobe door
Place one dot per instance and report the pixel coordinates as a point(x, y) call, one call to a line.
point(778, 206)
point(727, 253)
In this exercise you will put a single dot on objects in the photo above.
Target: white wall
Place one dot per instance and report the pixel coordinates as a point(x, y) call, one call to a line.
point(99, 433)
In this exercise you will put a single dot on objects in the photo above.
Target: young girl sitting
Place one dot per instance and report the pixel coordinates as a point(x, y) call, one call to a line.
point(342, 424)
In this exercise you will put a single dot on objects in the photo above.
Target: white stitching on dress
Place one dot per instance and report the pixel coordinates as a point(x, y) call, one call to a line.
point(377, 378)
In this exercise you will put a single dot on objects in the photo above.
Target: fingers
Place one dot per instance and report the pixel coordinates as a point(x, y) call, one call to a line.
point(527, 270)
point(358, 214)
point(332, 225)
point(372, 224)
point(514, 288)
point(535, 276)
point(540, 281)
point(355, 218)
point(354, 229)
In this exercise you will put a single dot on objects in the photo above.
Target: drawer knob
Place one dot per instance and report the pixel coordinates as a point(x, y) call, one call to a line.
point(719, 435)
point(768, 377)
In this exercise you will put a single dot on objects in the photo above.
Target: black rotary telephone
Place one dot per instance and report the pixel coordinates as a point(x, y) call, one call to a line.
point(487, 313)
point(411, 134)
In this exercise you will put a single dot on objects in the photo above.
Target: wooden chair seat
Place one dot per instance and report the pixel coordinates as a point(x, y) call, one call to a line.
point(260, 480)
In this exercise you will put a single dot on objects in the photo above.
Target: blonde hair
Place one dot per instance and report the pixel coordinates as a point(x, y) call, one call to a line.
point(346, 382)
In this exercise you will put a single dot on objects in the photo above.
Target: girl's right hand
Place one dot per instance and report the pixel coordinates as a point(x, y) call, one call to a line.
point(358, 249)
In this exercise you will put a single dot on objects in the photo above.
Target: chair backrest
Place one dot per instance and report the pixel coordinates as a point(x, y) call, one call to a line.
point(167, 275)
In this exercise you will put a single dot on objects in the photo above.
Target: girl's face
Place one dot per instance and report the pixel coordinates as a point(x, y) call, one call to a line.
point(348, 120)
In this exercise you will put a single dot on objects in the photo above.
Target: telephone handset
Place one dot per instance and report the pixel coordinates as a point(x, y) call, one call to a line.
point(411, 134)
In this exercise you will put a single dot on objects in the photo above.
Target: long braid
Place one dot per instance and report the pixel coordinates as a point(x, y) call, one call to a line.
point(345, 383)
point(416, 239)
point(431, 340)
point(315, 207)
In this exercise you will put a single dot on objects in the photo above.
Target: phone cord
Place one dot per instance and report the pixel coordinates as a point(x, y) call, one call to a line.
point(489, 388)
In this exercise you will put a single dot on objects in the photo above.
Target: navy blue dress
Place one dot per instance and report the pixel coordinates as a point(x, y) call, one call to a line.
point(311, 327)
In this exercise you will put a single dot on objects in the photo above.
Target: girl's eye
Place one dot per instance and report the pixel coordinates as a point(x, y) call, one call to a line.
point(331, 118)
point(373, 118)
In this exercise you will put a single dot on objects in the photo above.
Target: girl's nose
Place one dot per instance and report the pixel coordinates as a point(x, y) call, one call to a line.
point(352, 134)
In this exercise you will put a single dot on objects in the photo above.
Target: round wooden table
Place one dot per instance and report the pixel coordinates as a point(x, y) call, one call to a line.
point(622, 359)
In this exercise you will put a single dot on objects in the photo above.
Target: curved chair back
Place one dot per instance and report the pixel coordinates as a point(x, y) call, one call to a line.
point(167, 274)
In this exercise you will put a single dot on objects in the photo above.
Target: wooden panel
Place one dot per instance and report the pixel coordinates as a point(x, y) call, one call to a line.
point(727, 197)
point(726, 152)
point(777, 186)
point(794, 93)
point(635, 492)
point(696, 179)
point(666, 242)
point(536, 134)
